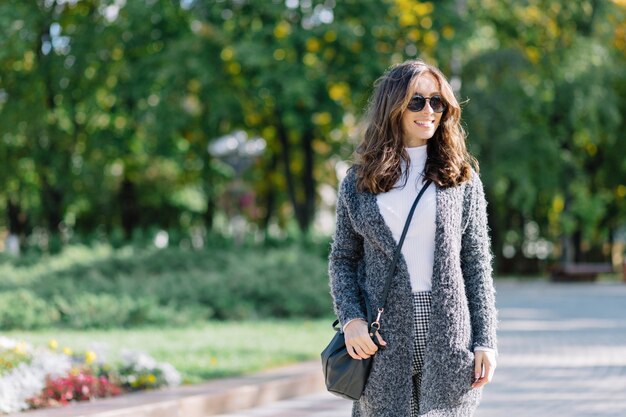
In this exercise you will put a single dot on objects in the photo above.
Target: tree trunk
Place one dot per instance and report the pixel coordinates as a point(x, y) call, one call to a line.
point(52, 204)
point(16, 217)
point(308, 179)
point(577, 246)
point(285, 152)
point(270, 198)
point(129, 207)
point(209, 213)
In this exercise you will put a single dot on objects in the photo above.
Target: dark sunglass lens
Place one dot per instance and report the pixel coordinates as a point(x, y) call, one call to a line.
point(437, 104)
point(417, 103)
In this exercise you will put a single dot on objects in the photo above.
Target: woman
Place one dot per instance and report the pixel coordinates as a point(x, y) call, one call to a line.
point(438, 329)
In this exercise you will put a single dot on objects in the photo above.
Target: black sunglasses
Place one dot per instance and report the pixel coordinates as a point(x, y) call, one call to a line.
point(418, 102)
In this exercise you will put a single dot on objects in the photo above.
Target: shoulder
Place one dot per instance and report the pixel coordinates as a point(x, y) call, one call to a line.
point(347, 187)
point(473, 186)
point(474, 198)
point(468, 187)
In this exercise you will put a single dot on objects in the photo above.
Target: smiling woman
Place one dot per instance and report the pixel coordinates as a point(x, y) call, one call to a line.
point(434, 338)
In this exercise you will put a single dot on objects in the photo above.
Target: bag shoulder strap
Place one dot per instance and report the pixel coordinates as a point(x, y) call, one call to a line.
point(375, 326)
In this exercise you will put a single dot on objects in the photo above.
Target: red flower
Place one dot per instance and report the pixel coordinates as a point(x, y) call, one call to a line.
point(80, 386)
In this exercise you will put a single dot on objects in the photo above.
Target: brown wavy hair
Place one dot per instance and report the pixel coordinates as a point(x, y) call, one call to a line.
point(380, 154)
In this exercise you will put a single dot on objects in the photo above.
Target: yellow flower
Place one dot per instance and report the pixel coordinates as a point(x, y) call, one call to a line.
point(310, 60)
point(29, 60)
point(426, 22)
point(67, 351)
point(407, 19)
point(558, 204)
point(414, 34)
point(282, 30)
point(90, 357)
point(338, 91)
point(423, 9)
point(53, 344)
point(151, 378)
point(322, 118)
point(313, 45)
point(279, 54)
point(447, 32)
point(227, 54)
point(430, 39)
point(20, 348)
point(330, 36)
point(253, 118)
point(234, 68)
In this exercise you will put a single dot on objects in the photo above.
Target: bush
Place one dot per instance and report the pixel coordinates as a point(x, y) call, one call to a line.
point(95, 310)
point(104, 287)
point(21, 309)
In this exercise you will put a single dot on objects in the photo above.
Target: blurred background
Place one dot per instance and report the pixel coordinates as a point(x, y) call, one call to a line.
point(159, 157)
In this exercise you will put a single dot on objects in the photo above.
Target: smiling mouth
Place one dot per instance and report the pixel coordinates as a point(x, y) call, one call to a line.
point(424, 123)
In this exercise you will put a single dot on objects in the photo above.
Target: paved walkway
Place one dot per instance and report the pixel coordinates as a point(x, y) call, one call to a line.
point(562, 354)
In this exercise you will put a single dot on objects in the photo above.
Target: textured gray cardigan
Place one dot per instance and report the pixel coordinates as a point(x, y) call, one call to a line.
point(463, 312)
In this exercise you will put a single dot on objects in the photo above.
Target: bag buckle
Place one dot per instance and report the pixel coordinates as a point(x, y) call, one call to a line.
point(375, 326)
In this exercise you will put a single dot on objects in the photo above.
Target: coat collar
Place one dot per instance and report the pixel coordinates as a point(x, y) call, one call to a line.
point(373, 224)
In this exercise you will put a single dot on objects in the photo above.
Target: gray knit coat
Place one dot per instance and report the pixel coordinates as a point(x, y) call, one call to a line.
point(463, 312)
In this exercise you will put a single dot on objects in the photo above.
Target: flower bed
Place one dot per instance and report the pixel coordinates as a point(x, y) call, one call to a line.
point(46, 377)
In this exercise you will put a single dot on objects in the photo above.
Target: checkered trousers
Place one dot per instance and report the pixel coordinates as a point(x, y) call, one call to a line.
point(421, 306)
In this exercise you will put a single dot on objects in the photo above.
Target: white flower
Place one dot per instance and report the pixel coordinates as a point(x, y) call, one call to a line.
point(170, 374)
point(142, 362)
point(7, 344)
point(137, 360)
point(101, 350)
point(51, 364)
point(28, 379)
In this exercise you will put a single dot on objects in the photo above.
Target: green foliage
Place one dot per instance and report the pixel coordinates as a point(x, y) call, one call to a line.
point(90, 310)
point(21, 309)
point(104, 287)
point(546, 85)
point(107, 111)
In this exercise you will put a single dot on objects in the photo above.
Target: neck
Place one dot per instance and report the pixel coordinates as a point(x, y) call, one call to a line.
point(414, 143)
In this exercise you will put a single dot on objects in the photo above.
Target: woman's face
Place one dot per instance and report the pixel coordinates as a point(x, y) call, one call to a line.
point(418, 127)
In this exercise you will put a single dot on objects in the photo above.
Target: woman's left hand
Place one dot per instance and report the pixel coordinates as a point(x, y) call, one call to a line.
point(484, 367)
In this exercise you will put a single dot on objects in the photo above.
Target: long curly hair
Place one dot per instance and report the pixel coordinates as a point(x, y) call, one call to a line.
point(380, 154)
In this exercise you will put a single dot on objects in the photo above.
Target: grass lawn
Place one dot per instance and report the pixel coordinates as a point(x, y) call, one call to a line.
point(209, 350)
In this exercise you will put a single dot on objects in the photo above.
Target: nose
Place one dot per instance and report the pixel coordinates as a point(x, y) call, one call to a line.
point(427, 107)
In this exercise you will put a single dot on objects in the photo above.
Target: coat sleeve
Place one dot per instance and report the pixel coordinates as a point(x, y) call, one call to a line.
point(346, 253)
point(476, 264)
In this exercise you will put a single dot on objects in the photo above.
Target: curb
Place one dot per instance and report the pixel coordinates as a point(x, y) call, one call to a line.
point(210, 398)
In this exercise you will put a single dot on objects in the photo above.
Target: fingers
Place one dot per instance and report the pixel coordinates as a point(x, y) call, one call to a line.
point(358, 341)
point(380, 340)
point(361, 347)
point(484, 368)
point(359, 352)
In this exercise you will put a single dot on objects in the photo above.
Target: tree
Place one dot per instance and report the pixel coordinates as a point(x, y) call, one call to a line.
point(544, 112)
point(299, 69)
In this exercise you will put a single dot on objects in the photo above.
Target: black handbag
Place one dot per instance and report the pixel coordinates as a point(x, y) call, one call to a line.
point(344, 376)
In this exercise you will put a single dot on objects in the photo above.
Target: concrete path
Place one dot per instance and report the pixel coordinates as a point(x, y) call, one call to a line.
point(562, 354)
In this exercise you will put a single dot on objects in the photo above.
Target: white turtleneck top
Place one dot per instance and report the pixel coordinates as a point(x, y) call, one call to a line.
point(394, 205)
